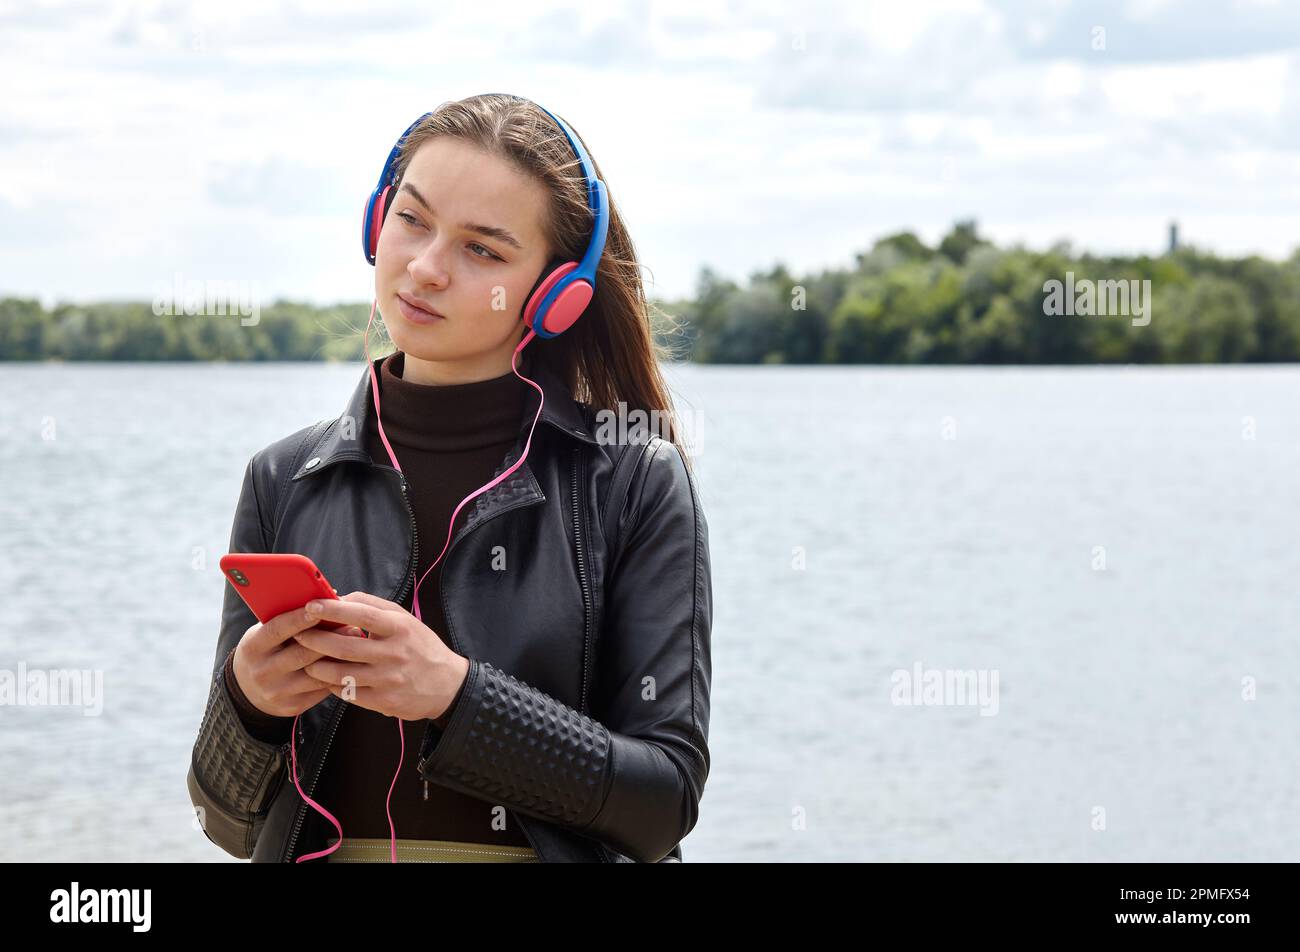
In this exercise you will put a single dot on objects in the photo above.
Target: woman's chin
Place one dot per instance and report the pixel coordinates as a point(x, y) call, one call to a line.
point(408, 340)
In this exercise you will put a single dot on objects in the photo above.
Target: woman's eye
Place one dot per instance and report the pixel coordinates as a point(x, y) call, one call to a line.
point(412, 220)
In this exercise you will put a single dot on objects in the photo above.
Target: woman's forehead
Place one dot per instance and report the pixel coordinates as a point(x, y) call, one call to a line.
point(465, 180)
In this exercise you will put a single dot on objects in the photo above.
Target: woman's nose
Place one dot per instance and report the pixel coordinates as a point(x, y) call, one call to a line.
point(429, 265)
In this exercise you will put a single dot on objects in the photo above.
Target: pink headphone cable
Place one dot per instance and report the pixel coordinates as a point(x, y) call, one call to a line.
point(415, 597)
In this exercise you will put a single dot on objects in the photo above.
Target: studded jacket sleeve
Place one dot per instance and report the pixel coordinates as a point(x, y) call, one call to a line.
point(632, 775)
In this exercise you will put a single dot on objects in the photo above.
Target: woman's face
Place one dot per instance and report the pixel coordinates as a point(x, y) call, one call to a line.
point(432, 251)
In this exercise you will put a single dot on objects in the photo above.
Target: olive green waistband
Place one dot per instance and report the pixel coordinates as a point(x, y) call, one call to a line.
point(379, 850)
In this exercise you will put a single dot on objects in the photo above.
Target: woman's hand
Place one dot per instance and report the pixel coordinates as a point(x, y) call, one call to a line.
point(402, 670)
point(270, 666)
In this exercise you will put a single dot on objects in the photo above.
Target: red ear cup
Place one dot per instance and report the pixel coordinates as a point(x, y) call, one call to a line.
point(378, 214)
point(566, 308)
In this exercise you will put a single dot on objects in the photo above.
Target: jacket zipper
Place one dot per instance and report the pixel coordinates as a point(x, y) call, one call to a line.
point(579, 512)
point(582, 576)
point(400, 594)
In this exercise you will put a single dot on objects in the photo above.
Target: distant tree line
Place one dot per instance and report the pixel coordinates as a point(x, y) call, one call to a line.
point(964, 301)
point(969, 302)
point(132, 331)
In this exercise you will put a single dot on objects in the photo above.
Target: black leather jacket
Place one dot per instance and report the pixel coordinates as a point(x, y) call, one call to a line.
point(586, 708)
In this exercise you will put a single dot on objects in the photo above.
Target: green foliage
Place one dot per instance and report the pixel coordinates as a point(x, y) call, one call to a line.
point(957, 245)
point(970, 302)
point(965, 301)
point(132, 331)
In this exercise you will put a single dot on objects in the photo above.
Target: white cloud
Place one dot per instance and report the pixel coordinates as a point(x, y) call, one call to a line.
point(238, 141)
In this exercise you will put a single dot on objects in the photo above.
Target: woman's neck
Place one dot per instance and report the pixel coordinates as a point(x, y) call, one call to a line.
point(449, 417)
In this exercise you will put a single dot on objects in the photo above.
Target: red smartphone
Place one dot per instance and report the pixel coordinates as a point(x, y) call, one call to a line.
point(272, 583)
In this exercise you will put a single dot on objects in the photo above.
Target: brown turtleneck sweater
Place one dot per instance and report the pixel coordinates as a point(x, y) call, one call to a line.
point(449, 441)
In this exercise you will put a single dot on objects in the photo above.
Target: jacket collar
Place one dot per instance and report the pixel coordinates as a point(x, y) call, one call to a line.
point(342, 440)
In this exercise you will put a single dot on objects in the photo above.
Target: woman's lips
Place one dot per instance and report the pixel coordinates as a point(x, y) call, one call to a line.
point(416, 314)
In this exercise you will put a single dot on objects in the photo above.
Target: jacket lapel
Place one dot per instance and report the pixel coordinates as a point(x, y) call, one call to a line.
point(343, 441)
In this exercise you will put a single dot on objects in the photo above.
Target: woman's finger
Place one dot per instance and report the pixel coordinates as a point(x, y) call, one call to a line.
point(335, 672)
point(301, 683)
point(377, 621)
point(294, 656)
point(366, 598)
point(279, 629)
point(341, 647)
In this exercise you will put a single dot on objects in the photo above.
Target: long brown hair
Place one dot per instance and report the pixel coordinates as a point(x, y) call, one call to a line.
point(611, 354)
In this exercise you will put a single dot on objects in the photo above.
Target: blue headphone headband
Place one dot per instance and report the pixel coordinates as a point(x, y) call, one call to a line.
point(565, 283)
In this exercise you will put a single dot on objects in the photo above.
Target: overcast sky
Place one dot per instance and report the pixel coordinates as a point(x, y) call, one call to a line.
point(235, 141)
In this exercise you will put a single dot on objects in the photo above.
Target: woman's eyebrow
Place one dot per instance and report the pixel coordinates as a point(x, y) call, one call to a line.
point(487, 231)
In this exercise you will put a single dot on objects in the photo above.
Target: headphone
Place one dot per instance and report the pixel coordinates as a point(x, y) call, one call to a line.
point(564, 288)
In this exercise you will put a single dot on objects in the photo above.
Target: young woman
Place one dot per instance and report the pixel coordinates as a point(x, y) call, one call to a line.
point(535, 599)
